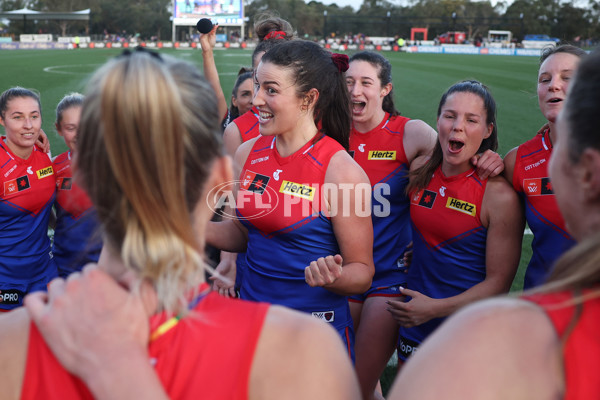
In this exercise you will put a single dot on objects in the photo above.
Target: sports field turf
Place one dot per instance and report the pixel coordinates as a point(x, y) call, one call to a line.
point(419, 81)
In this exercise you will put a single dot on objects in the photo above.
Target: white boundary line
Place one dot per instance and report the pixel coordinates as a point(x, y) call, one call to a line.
point(52, 69)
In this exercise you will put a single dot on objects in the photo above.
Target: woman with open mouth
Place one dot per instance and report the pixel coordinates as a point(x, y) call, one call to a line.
point(544, 345)
point(467, 231)
point(385, 143)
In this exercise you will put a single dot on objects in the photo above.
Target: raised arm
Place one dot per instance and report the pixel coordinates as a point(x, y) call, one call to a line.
point(350, 272)
point(207, 42)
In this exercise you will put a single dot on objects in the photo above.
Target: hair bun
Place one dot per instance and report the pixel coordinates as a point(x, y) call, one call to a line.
point(340, 61)
point(275, 35)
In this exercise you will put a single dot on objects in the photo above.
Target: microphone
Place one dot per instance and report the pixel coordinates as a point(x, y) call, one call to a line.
point(204, 25)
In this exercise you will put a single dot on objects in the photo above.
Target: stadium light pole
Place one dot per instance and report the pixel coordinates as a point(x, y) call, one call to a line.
point(173, 27)
point(522, 26)
point(453, 21)
point(325, 26)
point(388, 24)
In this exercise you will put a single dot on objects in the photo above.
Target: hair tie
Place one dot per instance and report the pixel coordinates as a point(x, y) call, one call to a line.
point(275, 35)
point(141, 49)
point(340, 61)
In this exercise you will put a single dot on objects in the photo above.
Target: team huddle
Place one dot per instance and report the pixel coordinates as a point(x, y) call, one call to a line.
point(354, 218)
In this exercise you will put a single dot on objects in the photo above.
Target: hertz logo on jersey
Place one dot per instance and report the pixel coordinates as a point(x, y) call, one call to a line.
point(42, 173)
point(297, 189)
point(461, 206)
point(382, 155)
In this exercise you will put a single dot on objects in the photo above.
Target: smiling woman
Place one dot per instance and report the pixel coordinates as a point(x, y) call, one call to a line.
point(302, 255)
point(28, 187)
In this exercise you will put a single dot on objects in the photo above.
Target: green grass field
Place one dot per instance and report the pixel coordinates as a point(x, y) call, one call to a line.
point(419, 81)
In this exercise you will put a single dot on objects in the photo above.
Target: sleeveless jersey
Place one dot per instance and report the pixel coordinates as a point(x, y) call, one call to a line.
point(26, 197)
point(280, 202)
point(247, 124)
point(449, 242)
point(207, 355)
point(581, 354)
point(380, 152)
point(530, 180)
point(76, 237)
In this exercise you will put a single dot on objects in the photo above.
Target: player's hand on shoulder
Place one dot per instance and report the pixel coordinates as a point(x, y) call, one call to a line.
point(489, 164)
point(89, 320)
point(42, 142)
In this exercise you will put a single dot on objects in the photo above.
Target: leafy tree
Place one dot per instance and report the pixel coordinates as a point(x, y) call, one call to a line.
point(62, 27)
point(569, 22)
point(538, 15)
point(150, 18)
point(592, 15)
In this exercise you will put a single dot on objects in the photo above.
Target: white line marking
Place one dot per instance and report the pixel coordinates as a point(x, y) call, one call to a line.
point(55, 69)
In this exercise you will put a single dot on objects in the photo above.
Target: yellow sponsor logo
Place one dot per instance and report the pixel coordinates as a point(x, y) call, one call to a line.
point(382, 155)
point(297, 189)
point(42, 173)
point(461, 206)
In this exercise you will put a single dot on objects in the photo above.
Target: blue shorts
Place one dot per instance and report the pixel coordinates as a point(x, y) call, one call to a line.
point(384, 291)
point(347, 335)
point(12, 294)
point(406, 347)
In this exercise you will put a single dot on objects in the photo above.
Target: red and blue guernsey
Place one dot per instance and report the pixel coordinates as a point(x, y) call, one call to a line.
point(280, 201)
point(449, 244)
point(531, 181)
point(28, 191)
point(380, 152)
point(247, 124)
point(76, 238)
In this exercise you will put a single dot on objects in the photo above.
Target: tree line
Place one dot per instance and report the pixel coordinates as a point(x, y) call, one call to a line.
point(150, 18)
